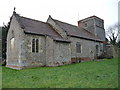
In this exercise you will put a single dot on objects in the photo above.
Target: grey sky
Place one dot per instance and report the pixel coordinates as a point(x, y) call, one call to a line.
point(69, 11)
point(119, 18)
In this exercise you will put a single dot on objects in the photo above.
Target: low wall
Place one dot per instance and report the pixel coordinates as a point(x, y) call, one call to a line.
point(112, 51)
point(116, 51)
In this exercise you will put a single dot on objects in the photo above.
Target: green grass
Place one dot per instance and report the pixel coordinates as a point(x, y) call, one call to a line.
point(92, 74)
point(0, 78)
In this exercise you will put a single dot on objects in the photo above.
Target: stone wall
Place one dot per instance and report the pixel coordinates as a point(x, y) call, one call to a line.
point(112, 51)
point(29, 58)
point(62, 53)
point(94, 25)
point(88, 25)
point(49, 51)
point(14, 54)
point(21, 55)
point(116, 52)
point(109, 51)
point(88, 49)
point(100, 33)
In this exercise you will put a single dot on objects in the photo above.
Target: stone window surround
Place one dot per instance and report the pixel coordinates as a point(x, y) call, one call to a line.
point(12, 42)
point(78, 46)
point(36, 45)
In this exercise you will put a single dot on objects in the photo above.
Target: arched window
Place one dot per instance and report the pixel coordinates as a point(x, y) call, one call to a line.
point(33, 45)
point(37, 45)
point(12, 42)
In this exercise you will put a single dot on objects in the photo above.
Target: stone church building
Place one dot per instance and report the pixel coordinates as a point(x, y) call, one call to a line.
point(33, 43)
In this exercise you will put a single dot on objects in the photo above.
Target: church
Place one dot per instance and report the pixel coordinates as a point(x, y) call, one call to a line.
point(33, 43)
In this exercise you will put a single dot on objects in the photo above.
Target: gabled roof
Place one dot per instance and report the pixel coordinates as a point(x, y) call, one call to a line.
point(32, 26)
point(76, 31)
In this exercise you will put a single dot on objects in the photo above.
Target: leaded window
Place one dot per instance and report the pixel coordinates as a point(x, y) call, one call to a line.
point(37, 45)
point(33, 45)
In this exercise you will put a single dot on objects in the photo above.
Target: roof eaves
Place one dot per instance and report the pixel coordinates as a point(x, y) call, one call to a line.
point(55, 39)
point(86, 38)
point(27, 32)
point(61, 40)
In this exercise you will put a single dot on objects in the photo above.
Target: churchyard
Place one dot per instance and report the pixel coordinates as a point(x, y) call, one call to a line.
point(91, 74)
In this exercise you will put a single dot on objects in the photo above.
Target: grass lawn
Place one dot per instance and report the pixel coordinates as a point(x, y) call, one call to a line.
point(0, 78)
point(92, 74)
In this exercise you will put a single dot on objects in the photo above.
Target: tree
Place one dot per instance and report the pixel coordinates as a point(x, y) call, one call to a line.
point(4, 39)
point(113, 32)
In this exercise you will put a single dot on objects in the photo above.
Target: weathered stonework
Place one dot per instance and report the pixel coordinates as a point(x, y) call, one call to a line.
point(49, 51)
point(13, 55)
point(94, 25)
point(28, 58)
point(62, 53)
point(22, 56)
point(88, 48)
point(57, 48)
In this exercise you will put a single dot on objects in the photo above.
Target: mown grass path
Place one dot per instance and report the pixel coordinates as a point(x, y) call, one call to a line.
point(92, 74)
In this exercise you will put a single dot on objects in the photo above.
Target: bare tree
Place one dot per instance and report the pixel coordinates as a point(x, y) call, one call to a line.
point(113, 32)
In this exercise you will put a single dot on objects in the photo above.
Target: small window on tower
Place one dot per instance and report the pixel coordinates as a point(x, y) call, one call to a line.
point(85, 24)
point(100, 24)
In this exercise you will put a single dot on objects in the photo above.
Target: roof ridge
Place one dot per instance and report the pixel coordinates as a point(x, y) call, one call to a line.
point(30, 18)
point(65, 23)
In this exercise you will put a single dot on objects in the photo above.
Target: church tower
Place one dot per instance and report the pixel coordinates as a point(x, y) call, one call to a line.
point(94, 25)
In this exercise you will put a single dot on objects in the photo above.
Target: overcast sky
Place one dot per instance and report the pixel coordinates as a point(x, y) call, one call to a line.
point(69, 11)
